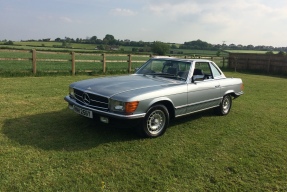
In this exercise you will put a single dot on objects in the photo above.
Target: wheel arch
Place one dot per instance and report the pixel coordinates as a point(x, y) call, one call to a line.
point(230, 92)
point(167, 103)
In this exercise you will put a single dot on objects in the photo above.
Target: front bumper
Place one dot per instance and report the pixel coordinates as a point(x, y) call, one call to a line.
point(238, 94)
point(72, 102)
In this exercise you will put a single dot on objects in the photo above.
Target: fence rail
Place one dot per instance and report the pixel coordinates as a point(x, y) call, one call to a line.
point(73, 62)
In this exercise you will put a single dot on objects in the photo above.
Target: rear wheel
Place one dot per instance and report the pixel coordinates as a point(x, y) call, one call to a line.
point(155, 122)
point(225, 105)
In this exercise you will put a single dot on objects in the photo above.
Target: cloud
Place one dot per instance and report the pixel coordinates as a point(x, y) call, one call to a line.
point(53, 18)
point(174, 9)
point(66, 19)
point(122, 12)
point(220, 12)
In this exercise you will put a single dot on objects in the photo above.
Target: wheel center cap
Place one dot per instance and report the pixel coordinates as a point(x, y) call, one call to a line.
point(156, 121)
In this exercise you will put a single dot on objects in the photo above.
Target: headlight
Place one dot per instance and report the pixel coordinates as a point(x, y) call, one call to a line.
point(71, 92)
point(117, 105)
point(126, 107)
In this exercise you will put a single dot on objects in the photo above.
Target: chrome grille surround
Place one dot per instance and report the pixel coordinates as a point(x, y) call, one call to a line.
point(91, 100)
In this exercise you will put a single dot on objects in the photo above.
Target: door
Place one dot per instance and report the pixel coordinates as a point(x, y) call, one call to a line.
point(204, 91)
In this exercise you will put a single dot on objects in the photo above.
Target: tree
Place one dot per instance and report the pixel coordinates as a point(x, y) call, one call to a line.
point(93, 39)
point(64, 44)
point(173, 46)
point(198, 44)
point(9, 43)
point(109, 39)
point(160, 48)
point(281, 53)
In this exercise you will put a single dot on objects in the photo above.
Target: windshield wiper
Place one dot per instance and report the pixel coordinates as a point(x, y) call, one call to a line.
point(161, 74)
point(166, 75)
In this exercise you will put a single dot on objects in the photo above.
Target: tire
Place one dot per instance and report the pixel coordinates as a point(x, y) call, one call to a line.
point(155, 122)
point(225, 105)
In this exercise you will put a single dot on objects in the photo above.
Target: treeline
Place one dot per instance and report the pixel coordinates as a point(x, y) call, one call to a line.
point(110, 42)
point(194, 45)
point(202, 45)
point(107, 40)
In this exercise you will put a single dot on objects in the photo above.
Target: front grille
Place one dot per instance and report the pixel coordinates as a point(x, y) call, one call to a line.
point(92, 100)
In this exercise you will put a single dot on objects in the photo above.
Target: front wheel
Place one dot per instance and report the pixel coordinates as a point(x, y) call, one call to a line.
point(155, 122)
point(225, 105)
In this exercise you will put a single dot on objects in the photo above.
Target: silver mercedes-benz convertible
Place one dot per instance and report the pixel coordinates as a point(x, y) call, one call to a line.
point(161, 89)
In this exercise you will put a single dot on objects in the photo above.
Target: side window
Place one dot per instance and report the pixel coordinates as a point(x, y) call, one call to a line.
point(202, 70)
point(215, 71)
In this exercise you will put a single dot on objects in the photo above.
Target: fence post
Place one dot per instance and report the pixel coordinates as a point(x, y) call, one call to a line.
point(235, 68)
point(223, 62)
point(104, 62)
point(73, 63)
point(268, 68)
point(130, 63)
point(34, 63)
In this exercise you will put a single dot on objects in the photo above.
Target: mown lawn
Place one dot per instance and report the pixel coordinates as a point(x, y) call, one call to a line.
point(46, 147)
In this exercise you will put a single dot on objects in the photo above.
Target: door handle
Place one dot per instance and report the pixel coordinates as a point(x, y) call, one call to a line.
point(217, 86)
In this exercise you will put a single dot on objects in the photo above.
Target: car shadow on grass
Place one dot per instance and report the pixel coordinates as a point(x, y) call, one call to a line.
point(192, 117)
point(64, 130)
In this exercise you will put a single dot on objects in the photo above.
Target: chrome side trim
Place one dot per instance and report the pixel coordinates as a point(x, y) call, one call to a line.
point(192, 104)
point(196, 111)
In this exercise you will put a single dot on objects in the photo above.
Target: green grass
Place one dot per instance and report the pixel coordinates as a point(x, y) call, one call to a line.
point(46, 147)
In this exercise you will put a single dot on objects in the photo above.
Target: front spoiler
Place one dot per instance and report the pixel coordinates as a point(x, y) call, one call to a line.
point(72, 102)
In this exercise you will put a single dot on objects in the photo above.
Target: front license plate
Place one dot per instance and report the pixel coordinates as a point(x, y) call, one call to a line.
point(84, 112)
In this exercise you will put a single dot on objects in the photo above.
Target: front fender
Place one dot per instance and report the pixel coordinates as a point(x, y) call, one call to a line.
point(160, 99)
point(229, 92)
point(233, 93)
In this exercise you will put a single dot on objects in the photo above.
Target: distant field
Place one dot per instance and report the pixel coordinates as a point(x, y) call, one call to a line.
point(91, 48)
point(46, 147)
point(51, 44)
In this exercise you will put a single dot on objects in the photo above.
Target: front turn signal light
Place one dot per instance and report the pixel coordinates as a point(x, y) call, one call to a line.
point(242, 86)
point(130, 107)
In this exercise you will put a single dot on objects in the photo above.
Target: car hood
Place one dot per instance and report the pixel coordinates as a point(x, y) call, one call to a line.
point(110, 86)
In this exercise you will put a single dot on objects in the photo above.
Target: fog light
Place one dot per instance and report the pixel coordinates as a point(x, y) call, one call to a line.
point(104, 119)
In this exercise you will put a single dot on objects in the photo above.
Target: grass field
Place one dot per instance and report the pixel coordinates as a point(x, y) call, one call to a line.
point(46, 147)
point(91, 48)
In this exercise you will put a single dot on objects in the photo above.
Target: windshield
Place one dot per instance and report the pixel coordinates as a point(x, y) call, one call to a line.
point(166, 68)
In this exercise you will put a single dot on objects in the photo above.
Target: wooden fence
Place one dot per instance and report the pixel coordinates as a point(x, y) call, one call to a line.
point(267, 63)
point(73, 59)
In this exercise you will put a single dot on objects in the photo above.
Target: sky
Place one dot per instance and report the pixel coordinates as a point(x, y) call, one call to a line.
point(245, 22)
